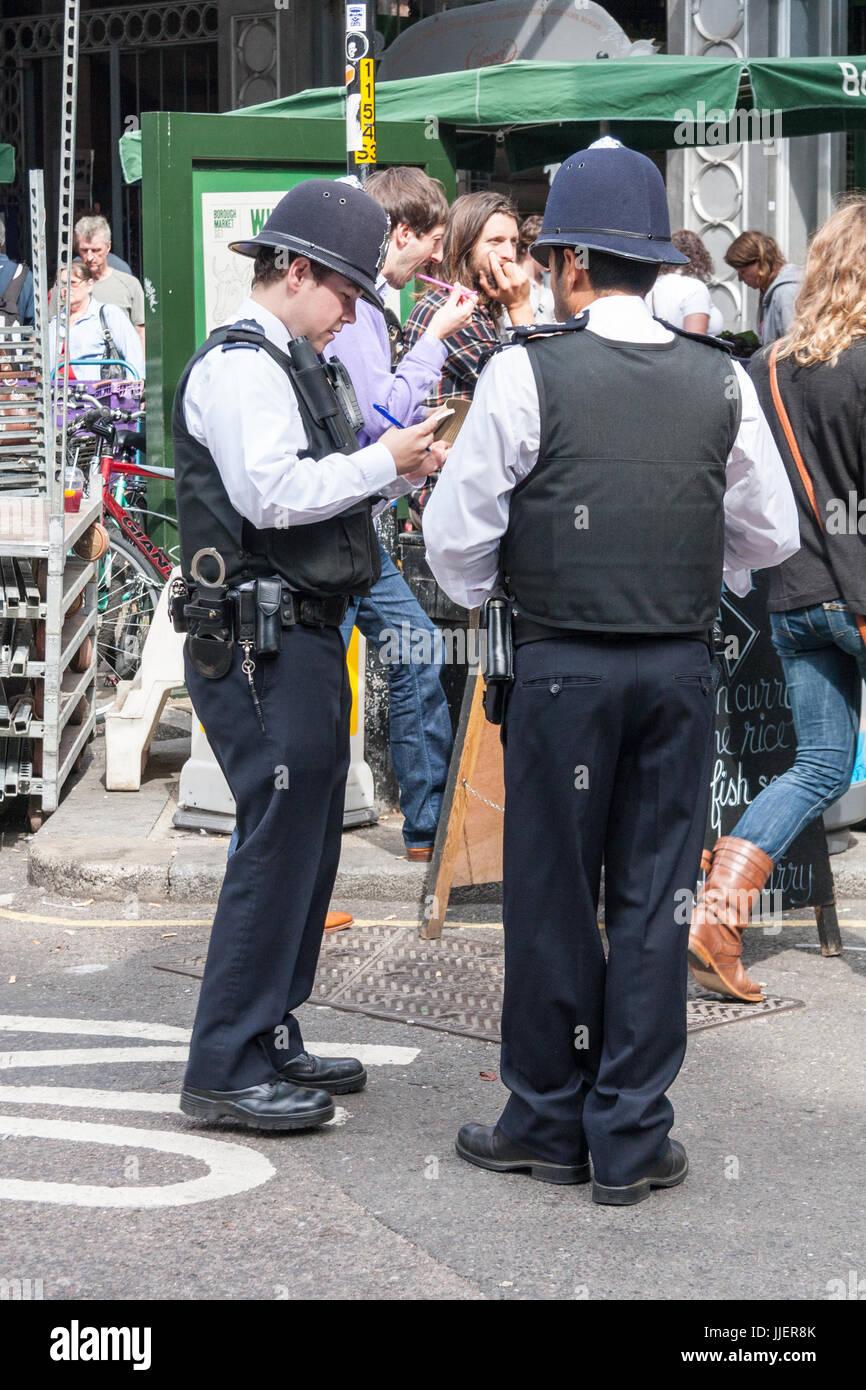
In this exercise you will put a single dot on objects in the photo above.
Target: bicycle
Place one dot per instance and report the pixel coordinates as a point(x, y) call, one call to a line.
point(135, 568)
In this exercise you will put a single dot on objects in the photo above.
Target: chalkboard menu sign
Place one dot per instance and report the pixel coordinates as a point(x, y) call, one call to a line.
point(755, 743)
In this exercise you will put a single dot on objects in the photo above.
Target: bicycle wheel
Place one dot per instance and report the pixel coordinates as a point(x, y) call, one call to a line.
point(128, 593)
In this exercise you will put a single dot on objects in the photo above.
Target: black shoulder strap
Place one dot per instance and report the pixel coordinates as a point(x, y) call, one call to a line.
point(107, 338)
point(698, 337)
point(525, 332)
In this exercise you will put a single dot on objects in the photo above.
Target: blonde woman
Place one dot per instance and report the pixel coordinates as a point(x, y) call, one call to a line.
point(815, 595)
point(760, 264)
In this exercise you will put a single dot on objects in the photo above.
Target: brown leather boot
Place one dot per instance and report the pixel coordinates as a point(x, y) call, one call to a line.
point(737, 875)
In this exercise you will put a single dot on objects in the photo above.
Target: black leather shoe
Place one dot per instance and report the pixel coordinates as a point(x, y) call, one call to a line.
point(273, 1105)
point(670, 1171)
point(487, 1147)
point(336, 1075)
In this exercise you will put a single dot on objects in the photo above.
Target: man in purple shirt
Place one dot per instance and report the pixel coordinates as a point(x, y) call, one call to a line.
point(420, 725)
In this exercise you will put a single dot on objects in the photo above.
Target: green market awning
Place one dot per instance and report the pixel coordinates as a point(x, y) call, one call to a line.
point(811, 95)
point(7, 163)
point(542, 112)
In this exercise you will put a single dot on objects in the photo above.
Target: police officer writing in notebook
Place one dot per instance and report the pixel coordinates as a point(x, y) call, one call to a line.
point(608, 471)
point(275, 515)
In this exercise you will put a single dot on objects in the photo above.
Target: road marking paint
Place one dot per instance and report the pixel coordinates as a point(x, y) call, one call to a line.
point(46, 921)
point(93, 1027)
point(105, 921)
point(87, 1056)
point(232, 1168)
point(79, 1098)
point(808, 946)
point(149, 1102)
point(368, 1054)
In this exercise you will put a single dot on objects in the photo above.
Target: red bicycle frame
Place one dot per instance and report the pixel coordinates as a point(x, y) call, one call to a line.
point(156, 557)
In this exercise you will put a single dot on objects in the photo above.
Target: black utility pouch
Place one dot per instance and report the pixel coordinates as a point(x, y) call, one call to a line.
point(210, 642)
point(210, 655)
point(498, 656)
point(269, 626)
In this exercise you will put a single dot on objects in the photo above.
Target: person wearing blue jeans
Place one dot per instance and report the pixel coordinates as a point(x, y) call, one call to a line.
point(824, 661)
point(391, 617)
point(410, 647)
point(812, 387)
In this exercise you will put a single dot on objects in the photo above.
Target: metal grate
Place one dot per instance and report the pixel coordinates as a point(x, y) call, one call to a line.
point(453, 985)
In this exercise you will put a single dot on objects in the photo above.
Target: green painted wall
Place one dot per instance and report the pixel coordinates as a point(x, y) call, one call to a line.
point(185, 156)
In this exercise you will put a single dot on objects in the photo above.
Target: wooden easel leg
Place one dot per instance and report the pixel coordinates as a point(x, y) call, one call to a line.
point(451, 821)
point(828, 930)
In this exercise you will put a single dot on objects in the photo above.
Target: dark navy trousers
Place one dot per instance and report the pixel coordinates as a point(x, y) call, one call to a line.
point(607, 758)
point(289, 785)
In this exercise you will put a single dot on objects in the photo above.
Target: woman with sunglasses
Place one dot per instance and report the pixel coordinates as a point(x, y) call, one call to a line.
point(95, 331)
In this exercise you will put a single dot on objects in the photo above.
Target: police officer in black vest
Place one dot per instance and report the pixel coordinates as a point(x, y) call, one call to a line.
point(608, 471)
point(275, 504)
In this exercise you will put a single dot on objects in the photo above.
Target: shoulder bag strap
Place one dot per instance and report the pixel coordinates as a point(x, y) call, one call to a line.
point(794, 447)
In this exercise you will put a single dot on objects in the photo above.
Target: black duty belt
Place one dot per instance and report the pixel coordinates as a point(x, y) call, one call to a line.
point(310, 610)
point(527, 630)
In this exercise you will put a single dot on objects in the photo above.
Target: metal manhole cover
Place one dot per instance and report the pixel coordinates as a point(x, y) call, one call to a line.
point(453, 985)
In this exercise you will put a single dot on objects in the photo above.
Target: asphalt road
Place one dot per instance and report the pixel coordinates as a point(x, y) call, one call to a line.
point(377, 1205)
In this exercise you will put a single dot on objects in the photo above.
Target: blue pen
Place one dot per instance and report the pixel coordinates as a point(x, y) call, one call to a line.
point(389, 418)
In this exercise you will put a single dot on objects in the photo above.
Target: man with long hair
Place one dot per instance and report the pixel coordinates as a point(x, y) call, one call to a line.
point(480, 252)
point(419, 725)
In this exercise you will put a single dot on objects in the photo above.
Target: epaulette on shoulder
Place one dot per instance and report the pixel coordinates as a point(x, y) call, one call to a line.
point(698, 337)
point(525, 332)
point(246, 333)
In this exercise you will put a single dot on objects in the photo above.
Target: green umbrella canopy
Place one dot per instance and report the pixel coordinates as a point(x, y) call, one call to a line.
point(546, 110)
point(811, 94)
point(7, 163)
point(542, 112)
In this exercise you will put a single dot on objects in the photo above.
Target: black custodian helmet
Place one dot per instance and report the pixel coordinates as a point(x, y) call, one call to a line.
point(333, 223)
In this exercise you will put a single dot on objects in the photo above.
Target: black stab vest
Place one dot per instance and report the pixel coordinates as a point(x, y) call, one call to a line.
point(336, 556)
point(620, 525)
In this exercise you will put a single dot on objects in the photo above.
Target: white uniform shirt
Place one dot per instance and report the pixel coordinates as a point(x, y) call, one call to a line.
point(239, 405)
point(498, 446)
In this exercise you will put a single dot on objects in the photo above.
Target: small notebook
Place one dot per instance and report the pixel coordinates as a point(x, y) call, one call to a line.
point(448, 429)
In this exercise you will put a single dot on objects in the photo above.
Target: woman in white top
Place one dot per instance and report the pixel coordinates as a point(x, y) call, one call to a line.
point(89, 322)
point(680, 296)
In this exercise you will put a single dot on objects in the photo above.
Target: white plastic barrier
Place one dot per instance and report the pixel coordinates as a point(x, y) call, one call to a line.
point(204, 797)
point(130, 725)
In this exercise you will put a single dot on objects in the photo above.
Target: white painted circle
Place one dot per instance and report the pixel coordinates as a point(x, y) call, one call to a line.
point(232, 1168)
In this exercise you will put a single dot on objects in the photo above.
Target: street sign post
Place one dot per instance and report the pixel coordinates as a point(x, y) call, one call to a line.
point(360, 90)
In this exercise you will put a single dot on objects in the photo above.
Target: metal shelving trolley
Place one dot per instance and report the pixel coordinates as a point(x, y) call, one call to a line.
point(48, 595)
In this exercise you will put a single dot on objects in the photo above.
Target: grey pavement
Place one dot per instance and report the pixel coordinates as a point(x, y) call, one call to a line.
point(378, 1206)
point(121, 844)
